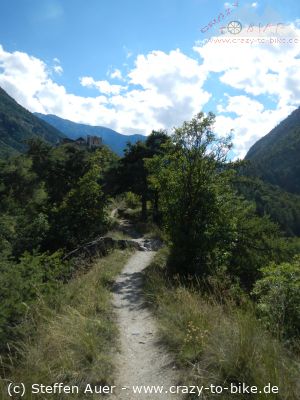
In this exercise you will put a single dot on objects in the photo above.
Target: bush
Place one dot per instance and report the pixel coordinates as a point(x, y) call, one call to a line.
point(132, 200)
point(81, 215)
point(217, 343)
point(278, 295)
point(74, 342)
point(22, 283)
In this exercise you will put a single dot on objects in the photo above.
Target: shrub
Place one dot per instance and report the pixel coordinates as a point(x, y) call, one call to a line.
point(217, 343)
point(278, 295)
point(21, 284)
point(132, 200)
point(74, 342)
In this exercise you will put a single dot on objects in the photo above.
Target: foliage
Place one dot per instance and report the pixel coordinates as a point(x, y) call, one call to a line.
point(208, 224)
point(134, 172)
point(194, 194)
point(215, 343)
point(50, 198)
point(81, 215)
point(257, 242)
point(282, 207)
point(131, 200)
point(71, 337)
point(131, 174)
point(278, 297)
point(222, 230)
point(21, 283)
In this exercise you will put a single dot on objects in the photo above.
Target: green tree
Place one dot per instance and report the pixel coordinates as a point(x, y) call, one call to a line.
point(194, 190)
point(156, 144)
point(39, 152)
point(81, 215)
point(257, 242)
point(132, 175)
point(66, 165)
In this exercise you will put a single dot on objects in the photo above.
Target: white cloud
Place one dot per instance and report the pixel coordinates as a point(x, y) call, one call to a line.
point(23, 76)
point(103, 86)
point(163, 89)
point(172, 85)
point(252, 121)
point(128, 52)
point(254, 5)
point(255, 70)
point(57, 66)
point(58, 69)
point(238, 105)
point(116, 74)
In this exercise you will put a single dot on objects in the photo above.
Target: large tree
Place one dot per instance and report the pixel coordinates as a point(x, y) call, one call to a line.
point(194, 190)
point(209, 226)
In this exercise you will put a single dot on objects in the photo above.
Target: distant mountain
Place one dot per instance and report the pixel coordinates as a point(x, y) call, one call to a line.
point(18, 125)
point(114, 140)
point(275, 158)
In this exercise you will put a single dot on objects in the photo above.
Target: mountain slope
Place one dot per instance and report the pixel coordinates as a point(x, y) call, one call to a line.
point(275, 158)
point(114, 140)
point(282, 207)
point(18, 125)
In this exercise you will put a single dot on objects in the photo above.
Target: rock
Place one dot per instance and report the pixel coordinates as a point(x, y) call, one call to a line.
point(101, 246)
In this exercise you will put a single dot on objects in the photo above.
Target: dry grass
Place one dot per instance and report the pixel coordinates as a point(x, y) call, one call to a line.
point(218, 344)
point(75, 342)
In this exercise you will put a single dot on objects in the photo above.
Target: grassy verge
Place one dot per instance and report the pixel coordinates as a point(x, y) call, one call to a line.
point(75, 338)
point(218, 344)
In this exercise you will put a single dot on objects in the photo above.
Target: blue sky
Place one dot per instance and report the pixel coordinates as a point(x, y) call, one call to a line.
point(139, 65)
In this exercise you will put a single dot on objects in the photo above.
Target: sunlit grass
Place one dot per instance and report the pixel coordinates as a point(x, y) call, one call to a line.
point(218, 344)
point(75, 342)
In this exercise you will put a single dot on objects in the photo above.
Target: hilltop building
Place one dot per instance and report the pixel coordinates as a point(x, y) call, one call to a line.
point(81, 141)
point(92, 142)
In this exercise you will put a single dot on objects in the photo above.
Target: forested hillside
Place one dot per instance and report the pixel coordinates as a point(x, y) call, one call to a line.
point(283, 207)
point(17, 125)
point(275, 157)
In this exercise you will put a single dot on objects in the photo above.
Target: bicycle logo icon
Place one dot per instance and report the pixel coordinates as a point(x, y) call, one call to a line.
point(234, 27)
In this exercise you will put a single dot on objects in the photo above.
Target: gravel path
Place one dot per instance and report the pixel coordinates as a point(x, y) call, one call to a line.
point(142, 360)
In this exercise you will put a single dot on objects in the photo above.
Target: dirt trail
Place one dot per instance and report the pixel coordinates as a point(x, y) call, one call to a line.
point(142, 360)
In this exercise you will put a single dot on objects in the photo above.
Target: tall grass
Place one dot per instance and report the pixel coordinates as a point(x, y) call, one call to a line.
point(218, 343)
point(76, 338)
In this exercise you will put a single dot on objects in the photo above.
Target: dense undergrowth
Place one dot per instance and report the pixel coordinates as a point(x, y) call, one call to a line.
point(217, 342)
point(72, 337)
